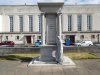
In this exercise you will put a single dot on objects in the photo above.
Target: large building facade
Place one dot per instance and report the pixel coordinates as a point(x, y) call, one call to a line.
point(24, 22)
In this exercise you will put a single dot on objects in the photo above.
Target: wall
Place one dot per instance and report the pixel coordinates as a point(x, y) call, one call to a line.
point(73, 10)
point(0, 23)
point(96, 21)
point(8, 50)
point(16, 11)
point(83, 10)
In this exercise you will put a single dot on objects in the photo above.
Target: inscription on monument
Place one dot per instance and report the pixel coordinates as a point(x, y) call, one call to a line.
point(51, 29)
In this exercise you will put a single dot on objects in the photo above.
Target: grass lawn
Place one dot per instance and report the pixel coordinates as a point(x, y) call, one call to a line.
point(28, 57)
point(22, 57)
point(78, 56)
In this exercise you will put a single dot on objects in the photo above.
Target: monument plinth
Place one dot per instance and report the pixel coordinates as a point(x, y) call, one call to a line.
point(51, 49)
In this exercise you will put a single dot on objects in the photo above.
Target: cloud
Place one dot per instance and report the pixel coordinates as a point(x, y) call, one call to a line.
point(17, 2)
point(82, 1)
point(89, 1)
point(50, 0)
point(22, 2)
point(70, 1)
point(34, 2)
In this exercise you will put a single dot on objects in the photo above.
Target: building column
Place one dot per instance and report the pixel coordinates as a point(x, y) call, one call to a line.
point(98, 38)
point(5, 23)
point(35, 38)
point(25, 41)
point(74, 22)
point(25, 23)
point(84, 22)
point(64, 22)
point(1, 25)
point(32, 39)
point(59, 27)
point(36, 23)
point(16, 23)
point(43, 29)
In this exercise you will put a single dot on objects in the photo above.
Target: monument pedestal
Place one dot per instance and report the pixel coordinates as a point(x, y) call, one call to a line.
point(47, 53)
point(36, 62)
point(48, 57)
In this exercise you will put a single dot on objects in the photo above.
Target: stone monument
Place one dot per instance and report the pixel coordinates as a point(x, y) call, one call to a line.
point(51, 49)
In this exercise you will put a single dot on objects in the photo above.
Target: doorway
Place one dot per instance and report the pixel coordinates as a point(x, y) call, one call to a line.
point(71, 38)
point(28, 39)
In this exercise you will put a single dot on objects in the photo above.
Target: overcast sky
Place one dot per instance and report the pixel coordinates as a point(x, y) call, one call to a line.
point(34, 2)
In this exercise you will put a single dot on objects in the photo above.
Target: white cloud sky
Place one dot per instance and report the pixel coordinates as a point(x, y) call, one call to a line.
point(50, 0)
point(82, 1)
point(31, 2)
point(89, 1)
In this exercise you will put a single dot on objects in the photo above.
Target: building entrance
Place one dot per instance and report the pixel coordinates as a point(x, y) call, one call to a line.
point(71, 38)
point(51, 29)
point(28, 39)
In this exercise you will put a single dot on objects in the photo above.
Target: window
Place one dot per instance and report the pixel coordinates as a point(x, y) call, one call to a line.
point(40, 23)
point(11, 23)
point(30, 23)
point(69, 22)
point(21, 23)
point(92, 36)
point(79, 22)
point(89, 22)
point(83, 42)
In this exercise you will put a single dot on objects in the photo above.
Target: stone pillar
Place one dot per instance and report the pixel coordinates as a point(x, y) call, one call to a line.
point(1, 23)
point(35, 38)
point(74, 22)
point(43, 29)
point(6, 23)
point(25, 23)
point(64, 22)
point(32, 39)
point(36, 23)
point(16, 23)
point(59, 27)
point(84, 22)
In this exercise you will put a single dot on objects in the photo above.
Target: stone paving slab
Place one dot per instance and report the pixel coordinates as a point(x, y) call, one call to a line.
point(83, 67)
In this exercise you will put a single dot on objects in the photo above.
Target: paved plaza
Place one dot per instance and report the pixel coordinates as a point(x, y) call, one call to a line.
point(83, 67)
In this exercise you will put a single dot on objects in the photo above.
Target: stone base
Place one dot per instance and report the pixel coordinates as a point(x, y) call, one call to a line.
point(47, 53)
point(37, 62)
point(48, 57)
point(66, 61)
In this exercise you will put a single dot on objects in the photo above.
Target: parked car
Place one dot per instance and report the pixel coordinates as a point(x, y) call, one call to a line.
point(84, 43)
point(7, 43)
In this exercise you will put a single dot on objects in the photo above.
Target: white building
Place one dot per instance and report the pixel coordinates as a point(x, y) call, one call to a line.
point(24, 22)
